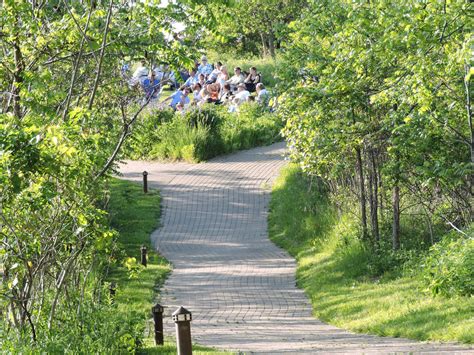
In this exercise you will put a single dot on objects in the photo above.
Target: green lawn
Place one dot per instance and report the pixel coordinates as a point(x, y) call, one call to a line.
point(135, 215)
point(331, 269)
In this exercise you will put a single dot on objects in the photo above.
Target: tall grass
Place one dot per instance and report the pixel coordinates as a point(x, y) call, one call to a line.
point(267, 66)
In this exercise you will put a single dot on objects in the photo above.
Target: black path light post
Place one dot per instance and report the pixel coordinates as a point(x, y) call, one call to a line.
point(112, 290)
point(157, 311)
point(143, 251)
point(182, 318)
point(145, 181)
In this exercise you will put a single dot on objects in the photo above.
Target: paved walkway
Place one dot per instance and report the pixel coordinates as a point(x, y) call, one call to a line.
point(239, 286)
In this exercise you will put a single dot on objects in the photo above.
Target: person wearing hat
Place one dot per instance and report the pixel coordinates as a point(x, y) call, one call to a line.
point(204, 68)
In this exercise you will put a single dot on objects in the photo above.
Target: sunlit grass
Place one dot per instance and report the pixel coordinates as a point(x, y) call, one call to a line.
point(265, 66)
point(304, 223)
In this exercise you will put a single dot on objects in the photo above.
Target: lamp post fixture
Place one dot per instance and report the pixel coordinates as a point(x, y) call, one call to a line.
point(182, 318)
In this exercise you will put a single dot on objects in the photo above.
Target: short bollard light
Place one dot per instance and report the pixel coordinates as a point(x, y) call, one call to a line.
point(157, 311)
point(112, 290)
point(143, 253)
point(145, 181)
point(182, 318)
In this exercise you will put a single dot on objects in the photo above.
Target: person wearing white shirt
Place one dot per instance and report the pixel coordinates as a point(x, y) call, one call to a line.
point(262, 94)
point(236, 79)
point(141, 73)
point(211, 79)
point(197, 98)
point(223, 76)
point(242, 95)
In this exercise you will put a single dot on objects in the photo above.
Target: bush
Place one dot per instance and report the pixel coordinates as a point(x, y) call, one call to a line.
point(448, 269)
point(146, 132)
point(201, 134)
point(100, 329)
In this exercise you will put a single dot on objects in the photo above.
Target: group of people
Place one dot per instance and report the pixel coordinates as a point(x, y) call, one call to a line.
point(207, 83)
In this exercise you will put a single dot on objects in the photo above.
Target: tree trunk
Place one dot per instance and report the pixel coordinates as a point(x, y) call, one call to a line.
point(373, 198)
point(76, 66)
point(396, 217)
point(469, 118)
point(17, 80)
point(264, 45)
point(271, 44)
point(362, 196)
point(101, 56)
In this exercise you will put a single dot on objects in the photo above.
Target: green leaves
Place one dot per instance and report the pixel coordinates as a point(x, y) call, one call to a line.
point(384, 78)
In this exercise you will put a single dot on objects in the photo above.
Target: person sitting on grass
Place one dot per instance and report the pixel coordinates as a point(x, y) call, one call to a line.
point(223, 76)
point(242, 95)
point(262, 94)
point(151, 86)
point(180, 107)
point(202, 79)
point(211, 79)
point(236, 79)
point(197, 98)
point(180, 96)
point(213, 90)
point(205, 68)
point(226, 94)
point(140, 74)
point(205, 96)
point(192, 79)
point(252, 80)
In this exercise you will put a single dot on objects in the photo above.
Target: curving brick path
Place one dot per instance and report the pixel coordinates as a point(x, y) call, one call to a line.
point(239, 286)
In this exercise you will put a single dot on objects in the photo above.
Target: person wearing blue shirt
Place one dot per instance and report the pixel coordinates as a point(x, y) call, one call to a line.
point(205, 68)
point(151, 86)
point(192, 80)
point(180, 96)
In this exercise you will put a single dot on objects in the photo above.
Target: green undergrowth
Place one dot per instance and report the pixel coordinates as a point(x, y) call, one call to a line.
point(135, 215)
point(336, 271)
point(201, 134)
point(169, 348)
point(266, 66)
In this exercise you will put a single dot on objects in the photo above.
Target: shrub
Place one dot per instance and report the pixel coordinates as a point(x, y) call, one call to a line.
point(448, 268)
point(100, 329)
point(207, 116)
point(201, 134)
point(146, 132)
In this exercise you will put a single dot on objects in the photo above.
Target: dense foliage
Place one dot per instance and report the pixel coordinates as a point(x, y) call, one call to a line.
point(201, 134)
point(376, 105)
point(64, 114)
point(252, 26)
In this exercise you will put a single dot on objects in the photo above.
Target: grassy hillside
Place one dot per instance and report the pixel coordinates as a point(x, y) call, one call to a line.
point(334, 271)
